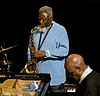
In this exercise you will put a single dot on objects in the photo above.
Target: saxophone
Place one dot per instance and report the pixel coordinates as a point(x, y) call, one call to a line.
point(31, 66)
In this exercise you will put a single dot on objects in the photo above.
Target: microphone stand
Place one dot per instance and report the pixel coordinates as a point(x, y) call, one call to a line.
point(8, 65)
point(6, 59)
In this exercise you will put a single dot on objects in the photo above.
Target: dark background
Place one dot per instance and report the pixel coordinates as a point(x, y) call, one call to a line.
point(81, 18)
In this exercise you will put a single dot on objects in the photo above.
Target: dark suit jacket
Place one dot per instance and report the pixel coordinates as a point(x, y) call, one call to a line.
point(90, 86)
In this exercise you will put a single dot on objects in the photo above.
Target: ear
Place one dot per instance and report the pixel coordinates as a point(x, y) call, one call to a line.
point(52, 18)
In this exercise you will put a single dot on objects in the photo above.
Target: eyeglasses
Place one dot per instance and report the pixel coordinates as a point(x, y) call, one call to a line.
point(43, 19)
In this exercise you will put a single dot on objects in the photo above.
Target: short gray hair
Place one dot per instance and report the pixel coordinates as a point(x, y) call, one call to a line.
point(46, 9)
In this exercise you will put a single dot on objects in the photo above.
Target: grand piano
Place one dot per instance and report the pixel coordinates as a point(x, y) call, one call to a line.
point(18, 84)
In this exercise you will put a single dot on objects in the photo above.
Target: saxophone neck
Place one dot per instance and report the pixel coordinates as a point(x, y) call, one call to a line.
point(36, 28)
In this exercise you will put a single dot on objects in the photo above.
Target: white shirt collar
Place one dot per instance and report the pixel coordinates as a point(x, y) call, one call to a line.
point(85, 73)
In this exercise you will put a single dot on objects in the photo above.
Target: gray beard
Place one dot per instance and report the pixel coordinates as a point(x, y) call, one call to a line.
point(42, 29)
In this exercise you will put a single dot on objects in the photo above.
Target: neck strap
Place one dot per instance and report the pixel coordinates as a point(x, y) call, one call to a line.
point(40, 45)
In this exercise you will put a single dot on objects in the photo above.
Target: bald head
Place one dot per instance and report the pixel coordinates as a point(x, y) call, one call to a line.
point(75, 64)
point(75, 60)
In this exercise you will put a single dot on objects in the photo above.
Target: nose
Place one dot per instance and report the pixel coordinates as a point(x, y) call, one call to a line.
point(41, 21)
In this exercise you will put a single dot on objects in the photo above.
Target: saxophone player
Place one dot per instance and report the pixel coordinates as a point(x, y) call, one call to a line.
point(52, 46)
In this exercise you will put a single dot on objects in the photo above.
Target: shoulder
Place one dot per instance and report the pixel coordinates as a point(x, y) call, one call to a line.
point(93, 78)
point(94, 75)
point(58, 26)
point(35, 30)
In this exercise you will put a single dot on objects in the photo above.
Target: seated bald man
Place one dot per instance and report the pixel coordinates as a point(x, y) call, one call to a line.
point(89, 80)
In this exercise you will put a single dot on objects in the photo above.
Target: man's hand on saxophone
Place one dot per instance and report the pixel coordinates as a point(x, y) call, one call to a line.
point(38, 54)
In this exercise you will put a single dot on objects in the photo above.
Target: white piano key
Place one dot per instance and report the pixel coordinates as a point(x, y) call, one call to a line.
point(71, 90)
